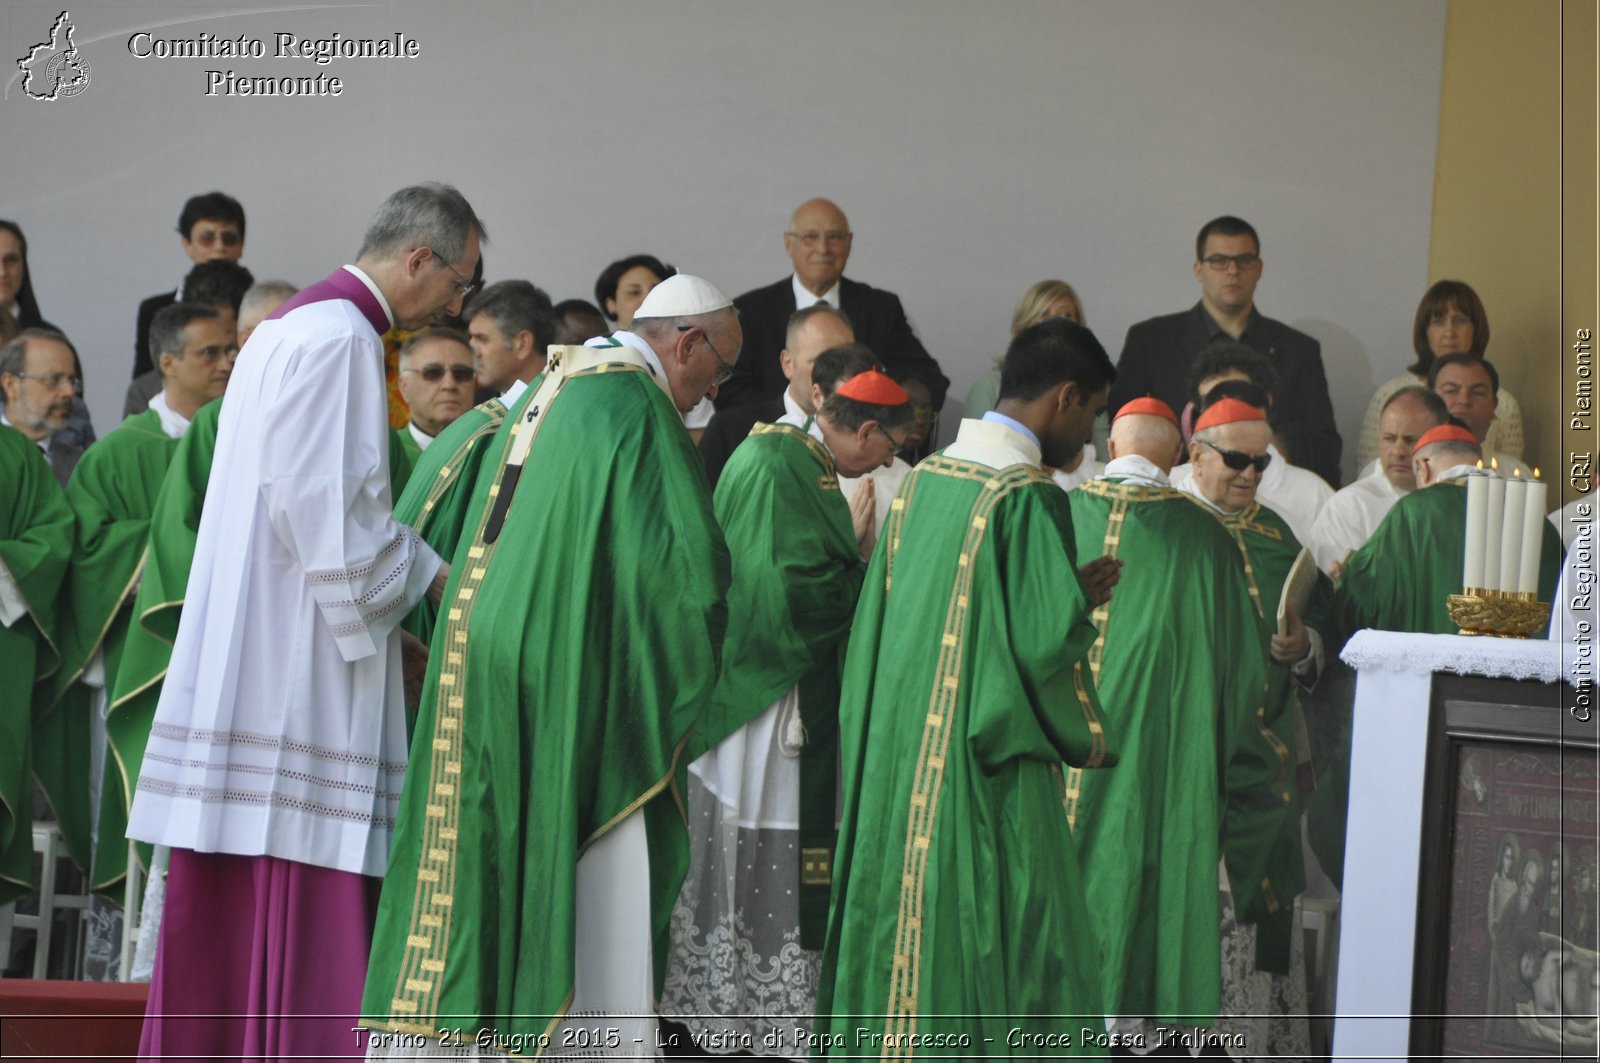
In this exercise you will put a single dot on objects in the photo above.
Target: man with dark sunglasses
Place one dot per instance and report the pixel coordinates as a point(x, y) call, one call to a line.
point(1261, 839)
point(436, 380)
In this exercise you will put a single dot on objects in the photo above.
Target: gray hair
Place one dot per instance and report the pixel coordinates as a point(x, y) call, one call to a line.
point(166, 329)
point(14, 355)
point(429, 215)
point(263, 292)
point(1450, 448)
point(437, 332)
point(516, 306)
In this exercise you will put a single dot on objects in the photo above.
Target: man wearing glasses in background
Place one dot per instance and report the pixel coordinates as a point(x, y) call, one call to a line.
point(818, 242)
point(211, 226)
point(436, 377)
point(1157, 353)
point(38, 384)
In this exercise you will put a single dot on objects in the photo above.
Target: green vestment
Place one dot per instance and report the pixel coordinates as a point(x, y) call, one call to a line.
point(956, 887)
point(1180, 664)
point(408, 444)
point(436, 499)
point(112, 494)
point(174, 522)
point(580, 637)
point(1402, 578)
point(35, 546)
point(1261, 833)
point(796, 575)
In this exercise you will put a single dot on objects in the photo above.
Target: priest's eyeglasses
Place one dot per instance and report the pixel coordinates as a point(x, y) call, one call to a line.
point(724, 370)
point(1220, 263)
point(435, 373)
point(464, 285)
point(1239, 461)
point(53, 381)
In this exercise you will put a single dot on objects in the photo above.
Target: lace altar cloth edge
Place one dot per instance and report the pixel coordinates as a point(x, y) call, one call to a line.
point(1418, 654)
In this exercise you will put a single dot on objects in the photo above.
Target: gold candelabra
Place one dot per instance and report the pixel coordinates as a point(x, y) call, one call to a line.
point(1505, 614)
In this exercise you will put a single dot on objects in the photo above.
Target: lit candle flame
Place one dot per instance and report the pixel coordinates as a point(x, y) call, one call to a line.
point(1494, 463)
point(1536, 472)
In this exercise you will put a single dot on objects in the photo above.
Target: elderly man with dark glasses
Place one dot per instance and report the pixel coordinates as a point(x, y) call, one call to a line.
point(1263, 863)
point(437, 375)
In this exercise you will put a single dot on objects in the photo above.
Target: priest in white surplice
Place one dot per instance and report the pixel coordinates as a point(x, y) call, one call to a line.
point(1354, 512)
point(275, 762)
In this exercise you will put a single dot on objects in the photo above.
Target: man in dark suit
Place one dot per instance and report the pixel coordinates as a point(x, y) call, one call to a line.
point(211, 226)
point(818, 242)
point(811, 330)
point(1157, 353)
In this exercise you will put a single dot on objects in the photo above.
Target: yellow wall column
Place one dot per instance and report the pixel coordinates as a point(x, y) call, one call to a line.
point(1514, 193)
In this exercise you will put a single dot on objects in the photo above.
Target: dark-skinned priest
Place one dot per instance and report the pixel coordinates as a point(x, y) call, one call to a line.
point(35, 547)
point(1180, 661)
point(540, 843)
point(762, 794)
point(959, 924)
point(1263, 978)
point(1402, 578)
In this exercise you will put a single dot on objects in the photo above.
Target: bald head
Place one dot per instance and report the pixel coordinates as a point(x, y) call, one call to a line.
point(818, 243)
point(1153, 438)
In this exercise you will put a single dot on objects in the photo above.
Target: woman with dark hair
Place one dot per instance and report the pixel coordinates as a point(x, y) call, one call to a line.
point(1450, 320)
point(623, 285)
point(19, 309)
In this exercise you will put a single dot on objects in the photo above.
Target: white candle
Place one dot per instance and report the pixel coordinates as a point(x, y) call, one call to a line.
point(1533, 518)
point(1477, 511)
point(1494, 512)
point(1511, 534)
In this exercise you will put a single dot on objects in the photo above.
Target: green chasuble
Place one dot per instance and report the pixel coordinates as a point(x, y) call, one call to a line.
point(1180, 663)
point(401, 461)
point(958, 905)
point(436, 498)
point(112, 494)
point(1402, 578)
point(1261, 832)
point(796, 575)
point(580, 637)
point(35, 546)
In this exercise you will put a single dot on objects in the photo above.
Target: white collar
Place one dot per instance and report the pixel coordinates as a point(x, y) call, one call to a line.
point(1190, 486)
point(792, 408)
point(997, 434)
point(44, 444)
point(1458, 472)
point(173, 423)
point(1136, 468)
point(804, 297)
point(423, 438)
point(384, 303)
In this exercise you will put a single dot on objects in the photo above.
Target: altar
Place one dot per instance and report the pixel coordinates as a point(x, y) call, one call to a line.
point(1469, 902)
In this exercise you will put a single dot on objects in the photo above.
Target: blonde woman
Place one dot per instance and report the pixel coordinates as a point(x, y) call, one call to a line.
point(1045, 299)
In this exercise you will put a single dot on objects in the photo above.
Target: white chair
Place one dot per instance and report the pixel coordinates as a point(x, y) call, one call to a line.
point(49, 844)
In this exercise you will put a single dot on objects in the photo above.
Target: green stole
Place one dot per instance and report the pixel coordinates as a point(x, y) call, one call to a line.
point(583, 620)
point(1180, 661)
point(36, 546)
point(112, 494)
point(796, 575)
point(958, 903)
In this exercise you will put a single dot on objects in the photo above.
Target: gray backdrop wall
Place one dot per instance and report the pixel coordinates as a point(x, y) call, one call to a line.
point(977, 148)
